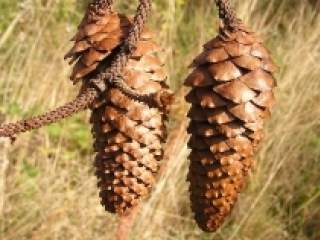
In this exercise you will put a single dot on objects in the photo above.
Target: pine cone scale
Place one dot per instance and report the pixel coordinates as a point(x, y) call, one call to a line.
point(224, 71)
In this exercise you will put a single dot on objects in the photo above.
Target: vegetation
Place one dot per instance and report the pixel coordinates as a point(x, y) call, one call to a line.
point(47, 183)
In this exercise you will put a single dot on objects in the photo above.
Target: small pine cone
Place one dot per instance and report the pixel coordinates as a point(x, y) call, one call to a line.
point(100, 32)
point(231, 96)
point(129, 134)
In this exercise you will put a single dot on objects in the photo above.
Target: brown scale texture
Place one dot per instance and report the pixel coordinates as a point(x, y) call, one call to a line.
point(231, 96)
point(100, 32)
point(128, 134)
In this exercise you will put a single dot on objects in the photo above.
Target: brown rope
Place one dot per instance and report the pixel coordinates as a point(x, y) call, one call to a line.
point(84, 100)
point(227, 14)
point(98, 6)
point(130, 43)
point(127, 49)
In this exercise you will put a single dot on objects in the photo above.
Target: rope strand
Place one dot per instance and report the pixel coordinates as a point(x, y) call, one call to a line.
point(127, 49)
point(98, 5)
point(82, 102)
point(227, 14)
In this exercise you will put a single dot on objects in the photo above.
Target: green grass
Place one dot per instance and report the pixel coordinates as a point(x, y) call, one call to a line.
point(47, 184)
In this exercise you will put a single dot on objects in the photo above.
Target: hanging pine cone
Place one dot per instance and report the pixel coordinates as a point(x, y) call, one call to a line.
point(232, 94)
point(128, 134)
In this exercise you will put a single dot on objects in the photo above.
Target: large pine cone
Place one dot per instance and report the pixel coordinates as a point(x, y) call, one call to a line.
point(232, 94)
point(128, 134)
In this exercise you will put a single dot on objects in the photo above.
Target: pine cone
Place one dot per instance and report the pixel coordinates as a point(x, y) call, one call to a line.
point(128, 134)
point(232, 94)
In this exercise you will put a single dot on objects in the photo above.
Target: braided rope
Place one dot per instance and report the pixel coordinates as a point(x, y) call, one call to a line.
point(82, 102)
point(97, 6)
point(86, 98)
point(227, 14)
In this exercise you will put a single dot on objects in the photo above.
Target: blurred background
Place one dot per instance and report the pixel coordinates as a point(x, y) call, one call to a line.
point(47, 183)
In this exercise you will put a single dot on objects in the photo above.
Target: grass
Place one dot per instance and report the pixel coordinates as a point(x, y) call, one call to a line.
point(47, 186)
